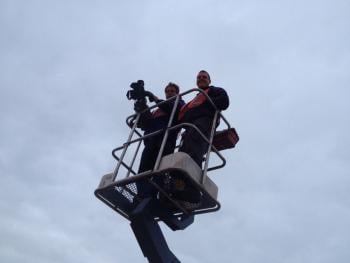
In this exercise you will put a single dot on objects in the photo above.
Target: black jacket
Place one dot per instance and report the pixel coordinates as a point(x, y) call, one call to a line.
point(219, 98)
point(150, 122)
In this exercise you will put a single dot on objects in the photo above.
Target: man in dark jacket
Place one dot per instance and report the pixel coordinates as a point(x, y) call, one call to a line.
point(153, 121)
point(200, 112)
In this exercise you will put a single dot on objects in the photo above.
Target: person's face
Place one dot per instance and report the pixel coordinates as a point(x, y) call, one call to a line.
point(170, 92)
point(203, 80)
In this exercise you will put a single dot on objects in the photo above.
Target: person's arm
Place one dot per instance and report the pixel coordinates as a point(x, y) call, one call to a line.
point(219, 98)
point(168, 106)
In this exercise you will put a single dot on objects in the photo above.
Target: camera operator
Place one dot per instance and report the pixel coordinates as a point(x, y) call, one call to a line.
point(153, 121)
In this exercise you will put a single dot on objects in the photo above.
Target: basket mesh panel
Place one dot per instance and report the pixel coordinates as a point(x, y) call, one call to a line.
point(129, 191)
point(168, 183)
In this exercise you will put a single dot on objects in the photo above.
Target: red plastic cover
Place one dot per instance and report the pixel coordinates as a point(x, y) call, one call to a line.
point(225, 139)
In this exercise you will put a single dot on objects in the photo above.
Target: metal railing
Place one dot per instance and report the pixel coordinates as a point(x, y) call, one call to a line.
point(132, 122)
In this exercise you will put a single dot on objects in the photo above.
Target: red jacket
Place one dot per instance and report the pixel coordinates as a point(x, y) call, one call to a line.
point(200, 106)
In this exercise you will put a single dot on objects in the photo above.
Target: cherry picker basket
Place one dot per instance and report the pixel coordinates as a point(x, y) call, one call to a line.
point(176, 169)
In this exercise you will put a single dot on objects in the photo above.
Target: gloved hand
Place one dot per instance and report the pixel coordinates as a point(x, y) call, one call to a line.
point(151, 96)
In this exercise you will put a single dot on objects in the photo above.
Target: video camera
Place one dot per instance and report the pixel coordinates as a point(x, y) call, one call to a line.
point(138, 92)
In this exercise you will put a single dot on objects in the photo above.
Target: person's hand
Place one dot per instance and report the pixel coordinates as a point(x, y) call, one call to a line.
point(151, 96)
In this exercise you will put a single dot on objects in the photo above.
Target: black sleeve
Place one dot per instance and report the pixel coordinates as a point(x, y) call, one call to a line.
point(145, 120)
point(168, 106)
point(164, 107)
point(219, 98)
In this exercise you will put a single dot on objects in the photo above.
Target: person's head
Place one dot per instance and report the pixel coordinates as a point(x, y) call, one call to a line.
point(203, 79)
point(171, 90)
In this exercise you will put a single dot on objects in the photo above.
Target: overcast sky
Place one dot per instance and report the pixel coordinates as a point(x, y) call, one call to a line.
point(65, 67)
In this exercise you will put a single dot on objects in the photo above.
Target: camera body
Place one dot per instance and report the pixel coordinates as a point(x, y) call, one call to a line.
point(139, 94)
point(137, 91)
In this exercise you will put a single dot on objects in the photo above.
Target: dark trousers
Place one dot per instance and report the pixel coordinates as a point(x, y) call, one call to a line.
point(148, 160)
point(151, 150)
point(193, 143)
point(148, 157)
point(195, 146)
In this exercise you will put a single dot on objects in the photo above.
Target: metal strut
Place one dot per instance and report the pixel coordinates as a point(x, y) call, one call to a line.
point(149, 235)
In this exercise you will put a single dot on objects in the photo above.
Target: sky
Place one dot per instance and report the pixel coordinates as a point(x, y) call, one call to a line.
point(65, 68)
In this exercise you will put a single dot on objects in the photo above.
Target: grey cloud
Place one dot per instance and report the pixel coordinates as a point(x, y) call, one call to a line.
point(65, 69)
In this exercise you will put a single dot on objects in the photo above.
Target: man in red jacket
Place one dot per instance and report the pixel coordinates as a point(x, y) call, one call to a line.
point(199, 112)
